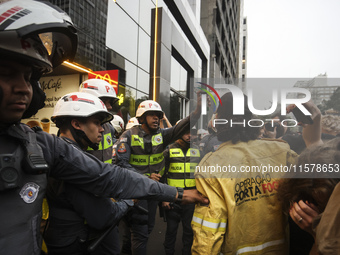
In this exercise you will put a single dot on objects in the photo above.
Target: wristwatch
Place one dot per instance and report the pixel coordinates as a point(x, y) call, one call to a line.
point(129, 202)
point(180, 195)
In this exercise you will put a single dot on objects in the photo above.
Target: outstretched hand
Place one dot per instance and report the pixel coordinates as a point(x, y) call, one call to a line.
point(193, 196)
point(199, 103)
point(311, 132)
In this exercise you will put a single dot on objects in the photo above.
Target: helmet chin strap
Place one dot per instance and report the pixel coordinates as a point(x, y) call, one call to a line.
point(78, 135)
point(146, 123)
point(186, 142)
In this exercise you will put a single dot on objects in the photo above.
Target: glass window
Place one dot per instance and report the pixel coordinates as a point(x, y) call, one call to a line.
point(145, 15)
point(122, 32)
point(143, 81)
point(131, 74)
point(127, 109)
point(179, 77)
point(131, 7)
point(144, 50)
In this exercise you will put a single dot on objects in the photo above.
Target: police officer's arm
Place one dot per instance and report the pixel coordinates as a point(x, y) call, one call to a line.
point(104, 180)
point(167, 164)
point(166, 155)
point(177, 131)
point(98, 212)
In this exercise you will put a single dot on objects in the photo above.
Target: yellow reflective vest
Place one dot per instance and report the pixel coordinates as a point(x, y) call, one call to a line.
point(146, 163)
point(104, 152)
point(182, 166)
point(244, 215)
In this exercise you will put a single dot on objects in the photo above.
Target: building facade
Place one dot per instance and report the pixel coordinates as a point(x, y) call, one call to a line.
point(243, 54)
point(318, 87)
point(157, 46)
point(90, 19)
point(221, 22)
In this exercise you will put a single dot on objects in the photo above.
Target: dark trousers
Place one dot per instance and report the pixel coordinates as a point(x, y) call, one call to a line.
point(140, 226)
point(179, 213)
point(109, 246)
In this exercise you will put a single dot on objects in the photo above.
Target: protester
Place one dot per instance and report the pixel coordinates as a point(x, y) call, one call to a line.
point(308, 200)
point(210, 142)
point(28, 156)
point(244, 215)
point(329, 129)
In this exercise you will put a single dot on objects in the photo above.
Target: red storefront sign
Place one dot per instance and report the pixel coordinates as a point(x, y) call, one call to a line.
point(111, 76)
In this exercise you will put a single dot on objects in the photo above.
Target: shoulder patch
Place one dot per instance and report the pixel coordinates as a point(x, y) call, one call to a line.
point(122, 148)
point(158, 139)
point(108, 140)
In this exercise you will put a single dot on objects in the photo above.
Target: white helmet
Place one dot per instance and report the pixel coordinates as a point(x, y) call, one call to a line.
point(131, 123)
point(148, 106)
point(79, 104)
point(118, 124)
point(202, 132)
point(98, 88)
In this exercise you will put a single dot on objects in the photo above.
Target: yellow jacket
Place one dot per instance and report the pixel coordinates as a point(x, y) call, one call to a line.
point(244, 216)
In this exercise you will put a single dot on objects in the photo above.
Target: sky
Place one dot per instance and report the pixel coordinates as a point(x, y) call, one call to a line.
point(293, 38)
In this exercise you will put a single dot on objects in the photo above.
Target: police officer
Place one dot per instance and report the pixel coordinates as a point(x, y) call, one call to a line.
point(141, 149)
point(76, 215)
point(26, 155)
point(118, 124)
point(131, 123)
point(180, 162)
point(105, 92)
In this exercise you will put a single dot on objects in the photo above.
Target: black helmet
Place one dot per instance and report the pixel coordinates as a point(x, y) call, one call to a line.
point(37, 33)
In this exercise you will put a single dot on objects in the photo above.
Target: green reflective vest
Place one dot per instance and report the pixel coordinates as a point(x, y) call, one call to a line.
point(143, 162)
point(104, 152)
point(182, 167)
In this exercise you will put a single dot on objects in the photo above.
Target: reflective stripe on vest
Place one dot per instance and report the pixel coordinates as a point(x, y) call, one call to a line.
point(209, 224)
point(104, 154)
point(146, 163)
point(182, 167)
point(260, 247)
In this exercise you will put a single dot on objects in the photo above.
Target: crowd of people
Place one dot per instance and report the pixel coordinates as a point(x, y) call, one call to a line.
point(98, 172)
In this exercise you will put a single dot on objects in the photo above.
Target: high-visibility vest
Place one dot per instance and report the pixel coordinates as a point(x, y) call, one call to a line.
point(140, 160)
point(182, 167)
point(104, 152)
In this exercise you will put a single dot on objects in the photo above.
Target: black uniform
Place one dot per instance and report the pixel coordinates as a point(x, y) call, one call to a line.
point(143, 153)
point(22, 205)
point(76, 218)
point(180, 163)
